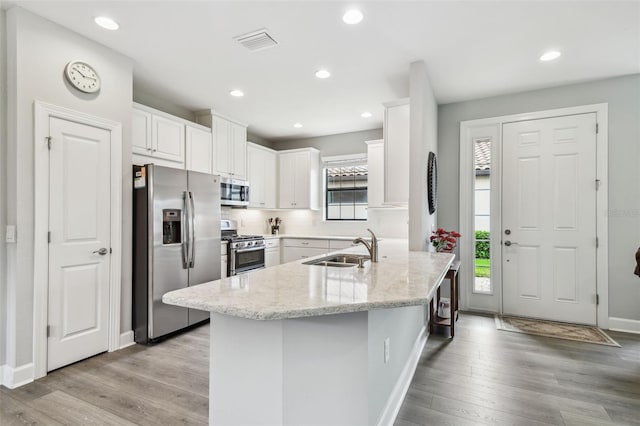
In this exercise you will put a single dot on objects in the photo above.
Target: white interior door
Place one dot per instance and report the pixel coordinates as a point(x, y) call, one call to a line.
point(549, 218)
point(79, 251)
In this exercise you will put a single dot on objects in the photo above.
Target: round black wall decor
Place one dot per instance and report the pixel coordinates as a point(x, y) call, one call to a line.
point(432, 181)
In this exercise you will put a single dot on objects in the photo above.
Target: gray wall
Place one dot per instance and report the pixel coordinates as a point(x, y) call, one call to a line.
point(3, 194)
point(623, 96)
point(423, 139)
point(341, 144)
point(37, 51)
point(153, 101)
point(252, 137)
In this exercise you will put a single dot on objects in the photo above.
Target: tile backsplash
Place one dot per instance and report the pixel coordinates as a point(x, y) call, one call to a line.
point(390, 223)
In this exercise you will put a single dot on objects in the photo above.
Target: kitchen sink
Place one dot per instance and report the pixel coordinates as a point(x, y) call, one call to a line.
point(339, 260)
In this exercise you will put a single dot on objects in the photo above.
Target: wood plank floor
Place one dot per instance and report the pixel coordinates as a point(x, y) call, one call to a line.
point(483, 376)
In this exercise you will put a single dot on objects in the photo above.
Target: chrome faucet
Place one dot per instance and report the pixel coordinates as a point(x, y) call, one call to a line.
point(372, 247)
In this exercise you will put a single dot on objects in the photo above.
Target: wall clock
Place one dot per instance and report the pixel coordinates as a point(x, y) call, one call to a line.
point(432, 181)
point(82, 76)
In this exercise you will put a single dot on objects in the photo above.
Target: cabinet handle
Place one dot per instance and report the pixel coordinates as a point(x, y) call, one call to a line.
point(305, 243)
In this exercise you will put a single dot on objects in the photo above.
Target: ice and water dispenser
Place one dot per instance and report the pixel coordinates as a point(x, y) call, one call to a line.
point(171, 226)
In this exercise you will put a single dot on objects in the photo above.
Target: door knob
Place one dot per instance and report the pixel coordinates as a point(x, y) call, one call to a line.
point(509, 243)
point(507, 231)
point(101, 252)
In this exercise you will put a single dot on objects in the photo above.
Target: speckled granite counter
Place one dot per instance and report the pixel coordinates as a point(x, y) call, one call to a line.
point(295, 290)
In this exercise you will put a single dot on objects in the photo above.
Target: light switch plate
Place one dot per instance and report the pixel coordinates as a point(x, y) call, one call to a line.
point(10, 236)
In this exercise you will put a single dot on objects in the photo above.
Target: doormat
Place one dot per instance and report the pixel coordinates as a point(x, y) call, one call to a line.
point(558, 330)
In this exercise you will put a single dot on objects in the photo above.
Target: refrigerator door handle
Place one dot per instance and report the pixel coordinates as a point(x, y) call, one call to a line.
point(185, 231)
point(192, 228)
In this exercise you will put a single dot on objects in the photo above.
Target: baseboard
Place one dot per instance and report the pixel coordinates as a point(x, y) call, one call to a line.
point(15, 377)
point(401, 387)
point(126, 339)
point(626, 325)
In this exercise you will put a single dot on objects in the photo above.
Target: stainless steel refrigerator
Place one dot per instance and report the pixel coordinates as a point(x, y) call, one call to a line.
point(176, 244)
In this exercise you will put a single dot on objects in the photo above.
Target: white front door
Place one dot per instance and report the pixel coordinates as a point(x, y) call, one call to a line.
point(549, 218)
point(79, 251)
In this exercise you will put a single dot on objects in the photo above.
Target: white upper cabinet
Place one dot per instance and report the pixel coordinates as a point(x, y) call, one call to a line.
point(299, 179)
point(262, 176)
point(230, 142)
point(167, 137)
point(158, 137)
point(199, 147)
point(141, 132)
point(375, 178)
point(396, 153)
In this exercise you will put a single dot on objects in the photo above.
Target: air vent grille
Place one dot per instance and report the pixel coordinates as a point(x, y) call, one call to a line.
point(257, 40)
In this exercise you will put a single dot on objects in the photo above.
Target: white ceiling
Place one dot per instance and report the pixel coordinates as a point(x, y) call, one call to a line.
point(184, 52)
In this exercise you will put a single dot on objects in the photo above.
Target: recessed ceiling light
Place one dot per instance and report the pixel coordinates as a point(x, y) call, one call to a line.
point(297, 125)
point(366, 114)
point(237, 93)
point(550, 55)
point(323, 74)
point(352, 17)
point(106, 23)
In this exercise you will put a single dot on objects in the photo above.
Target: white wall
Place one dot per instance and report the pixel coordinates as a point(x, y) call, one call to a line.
point(423, 138)
point(37, 51)
point(402, 326)
point(340, 144)
point(623, 96)
point(3, 193)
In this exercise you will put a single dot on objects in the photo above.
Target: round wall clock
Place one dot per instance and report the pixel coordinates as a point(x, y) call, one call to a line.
point(82, 76)
point(432, 181)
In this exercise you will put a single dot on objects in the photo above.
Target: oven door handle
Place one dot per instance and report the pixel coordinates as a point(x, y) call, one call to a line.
point(249, 249)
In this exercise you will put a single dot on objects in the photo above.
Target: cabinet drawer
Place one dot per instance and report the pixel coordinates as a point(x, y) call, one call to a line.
point(272, 242)
point(306, 242)
point(289, 254)
point(341, 244)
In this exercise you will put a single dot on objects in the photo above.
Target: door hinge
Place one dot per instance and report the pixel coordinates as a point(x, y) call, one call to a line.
point(597, 184)
point(49, 236)
point(597, 128)
point(48, 138)
point(597, 299)
point(597, 242)
point(110, 250)
point(48, 331)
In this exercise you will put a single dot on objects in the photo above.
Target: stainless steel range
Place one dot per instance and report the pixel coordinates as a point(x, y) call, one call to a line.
point(245, 253)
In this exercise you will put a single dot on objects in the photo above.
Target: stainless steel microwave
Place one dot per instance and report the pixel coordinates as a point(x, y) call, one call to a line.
point(234, 192)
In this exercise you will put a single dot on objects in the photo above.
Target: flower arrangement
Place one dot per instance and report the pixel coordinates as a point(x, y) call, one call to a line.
point(444, 241)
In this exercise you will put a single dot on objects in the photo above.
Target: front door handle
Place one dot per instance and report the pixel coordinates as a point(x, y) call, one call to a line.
point(101, 252)
point(509, 243)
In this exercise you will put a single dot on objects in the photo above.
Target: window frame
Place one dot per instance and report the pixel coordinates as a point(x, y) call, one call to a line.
point(326, 192)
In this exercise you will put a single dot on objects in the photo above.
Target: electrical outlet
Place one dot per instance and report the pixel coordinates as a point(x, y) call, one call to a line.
point(10, 236)
point(387, 350)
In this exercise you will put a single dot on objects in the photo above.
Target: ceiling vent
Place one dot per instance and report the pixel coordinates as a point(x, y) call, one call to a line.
point(257, 40)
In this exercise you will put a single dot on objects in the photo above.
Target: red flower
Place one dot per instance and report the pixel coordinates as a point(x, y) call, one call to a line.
point(455, 234)
point(451, 239)
point(440, 231)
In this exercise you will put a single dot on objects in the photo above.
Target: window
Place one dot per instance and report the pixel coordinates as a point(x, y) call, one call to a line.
point(346, 191)
point(482, 202)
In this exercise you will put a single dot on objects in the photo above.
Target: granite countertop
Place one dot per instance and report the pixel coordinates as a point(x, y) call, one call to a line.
point(315, 237)
point(294, 290)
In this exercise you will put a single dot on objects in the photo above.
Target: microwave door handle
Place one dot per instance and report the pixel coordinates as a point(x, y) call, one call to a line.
point(192, 227)
point(185, 231)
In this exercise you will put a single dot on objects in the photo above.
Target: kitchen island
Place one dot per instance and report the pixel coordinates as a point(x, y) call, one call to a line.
point(315, 345)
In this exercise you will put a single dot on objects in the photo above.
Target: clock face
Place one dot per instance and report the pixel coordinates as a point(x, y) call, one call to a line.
point(82, 76)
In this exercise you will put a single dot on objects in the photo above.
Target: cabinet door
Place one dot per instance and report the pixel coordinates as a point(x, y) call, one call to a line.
point(396, 151)
point(375, 178)
point(222, 130)
point(287, 181)
point(291, 254)
point(239, 151)
point(272, 257)
point(256, 174)
point(167, 139)
point(302, 178)
point(199, 150)
point(141, 132)
point(270, 168)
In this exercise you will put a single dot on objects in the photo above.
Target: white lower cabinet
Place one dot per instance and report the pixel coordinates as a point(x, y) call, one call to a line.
point(302, 248)
point(223, 260)
point(340, 244)
point(271, 252)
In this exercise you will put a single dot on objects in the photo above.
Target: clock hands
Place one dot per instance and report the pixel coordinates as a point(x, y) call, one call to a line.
point(85, 76)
